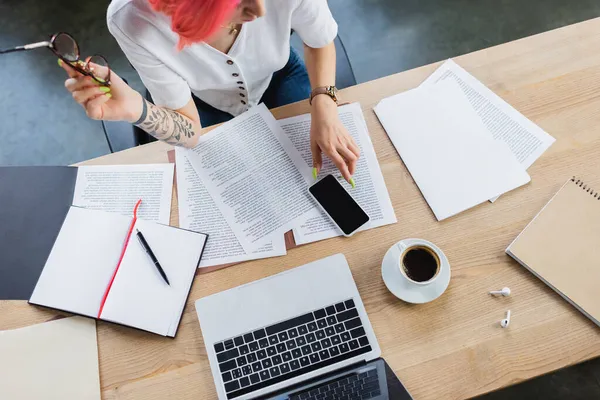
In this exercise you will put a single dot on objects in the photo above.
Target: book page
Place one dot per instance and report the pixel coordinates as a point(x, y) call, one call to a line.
point(255, 176)
point(82, 261)
point(198, 212)
point(443, 144)
point(526, 140)
point(139, 297)
point(116, 188)
point(55, 360)
point(370, 191)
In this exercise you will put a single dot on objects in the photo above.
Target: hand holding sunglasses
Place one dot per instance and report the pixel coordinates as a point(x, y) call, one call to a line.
point(66, 48)
point(103, 95)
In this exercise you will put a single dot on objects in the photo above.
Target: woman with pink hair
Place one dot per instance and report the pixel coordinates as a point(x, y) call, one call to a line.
point(206, 61)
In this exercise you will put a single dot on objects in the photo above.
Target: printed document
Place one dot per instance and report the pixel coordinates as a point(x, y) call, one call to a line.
point(526, 140)
point(198, 212)
point(116, 188)
point(370, 191)
point(255, 176)
point(443, 143)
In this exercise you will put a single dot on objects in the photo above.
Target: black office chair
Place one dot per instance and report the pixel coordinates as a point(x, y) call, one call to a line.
point(122, 135)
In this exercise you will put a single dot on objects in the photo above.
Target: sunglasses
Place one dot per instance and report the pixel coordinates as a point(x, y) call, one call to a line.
point(66, 48)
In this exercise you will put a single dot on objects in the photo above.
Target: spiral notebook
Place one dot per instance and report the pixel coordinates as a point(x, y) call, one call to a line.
point(561, 246)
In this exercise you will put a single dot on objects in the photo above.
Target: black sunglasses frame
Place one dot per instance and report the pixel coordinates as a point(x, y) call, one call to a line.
point(77, 64)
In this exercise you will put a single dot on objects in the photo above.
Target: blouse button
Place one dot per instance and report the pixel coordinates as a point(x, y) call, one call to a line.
point(235, 74)
point(242, 95)
point(241, 88)
point(243, 102)
point(229, 62)
point(240, 82)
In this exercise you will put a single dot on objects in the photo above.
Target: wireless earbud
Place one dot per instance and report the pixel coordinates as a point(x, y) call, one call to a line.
point(506, 321)
point(504, 292)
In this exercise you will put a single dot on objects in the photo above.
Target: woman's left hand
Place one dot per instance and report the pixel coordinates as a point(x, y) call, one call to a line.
point(328, 135)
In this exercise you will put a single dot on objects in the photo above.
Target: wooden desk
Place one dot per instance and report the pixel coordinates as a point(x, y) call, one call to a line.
point(452, 347)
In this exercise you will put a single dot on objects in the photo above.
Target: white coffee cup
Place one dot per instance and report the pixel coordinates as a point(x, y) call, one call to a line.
point(424, 278)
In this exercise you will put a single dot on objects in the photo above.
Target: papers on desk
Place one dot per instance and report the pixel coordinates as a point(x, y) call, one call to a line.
point(440, 141)
point(198, 212)
point(56, 360)
point(370, 191)
point(526, 140)
point(116, 188)
point(233, 212)
point(255, 176)
point(462, 144)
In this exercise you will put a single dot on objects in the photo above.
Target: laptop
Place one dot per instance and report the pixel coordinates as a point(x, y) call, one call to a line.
point(300, 334)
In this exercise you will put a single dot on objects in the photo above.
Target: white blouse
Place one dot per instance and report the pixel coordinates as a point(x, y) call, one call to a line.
point(230, 82)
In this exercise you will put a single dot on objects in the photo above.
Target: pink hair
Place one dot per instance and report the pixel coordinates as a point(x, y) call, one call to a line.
point(195, 20)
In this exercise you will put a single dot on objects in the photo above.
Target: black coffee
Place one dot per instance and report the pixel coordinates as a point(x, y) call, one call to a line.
point(420, 264)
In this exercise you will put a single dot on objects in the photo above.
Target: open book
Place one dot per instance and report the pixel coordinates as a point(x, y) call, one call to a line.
point(98, 269)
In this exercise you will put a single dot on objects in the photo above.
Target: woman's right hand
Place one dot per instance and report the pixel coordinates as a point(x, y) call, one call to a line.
point(117, 102)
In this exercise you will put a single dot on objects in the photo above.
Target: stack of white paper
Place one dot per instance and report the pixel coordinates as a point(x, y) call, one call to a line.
point(526, 140)
point(462, 144)
point(246, 183)
point(198, 212)
point(255, 176)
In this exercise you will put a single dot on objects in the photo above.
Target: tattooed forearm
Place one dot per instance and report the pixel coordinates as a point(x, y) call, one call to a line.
point(167, 125)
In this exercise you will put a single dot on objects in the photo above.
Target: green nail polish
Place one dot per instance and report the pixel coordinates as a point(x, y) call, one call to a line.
point(60, 62)
point(352, 183)
point(109, 95)
point(104, 89)
point(315, 174)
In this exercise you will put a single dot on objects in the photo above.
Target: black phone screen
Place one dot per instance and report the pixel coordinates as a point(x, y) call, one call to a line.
point(340, 206)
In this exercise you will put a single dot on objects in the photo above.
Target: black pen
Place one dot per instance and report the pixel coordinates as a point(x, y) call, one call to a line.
point(152, 256)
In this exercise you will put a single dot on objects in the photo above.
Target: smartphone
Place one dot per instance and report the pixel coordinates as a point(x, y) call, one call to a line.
point(338, 204)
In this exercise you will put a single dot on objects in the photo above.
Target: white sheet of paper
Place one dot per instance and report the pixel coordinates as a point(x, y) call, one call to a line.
point(198, 212)
point(439, 137)
point(64, 284)
point(255, 176)
point(139, 297)
point(116, 188)
point(526, 140)
point(55, 360)
point(370, 191)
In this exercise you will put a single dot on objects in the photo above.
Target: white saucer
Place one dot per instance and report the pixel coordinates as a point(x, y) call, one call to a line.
point(405, 289)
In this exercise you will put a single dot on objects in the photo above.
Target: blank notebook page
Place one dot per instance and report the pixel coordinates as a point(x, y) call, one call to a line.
point(139, 296)
point(82, 261)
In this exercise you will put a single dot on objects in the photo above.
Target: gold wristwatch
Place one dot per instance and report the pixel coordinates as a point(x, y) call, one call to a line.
point(330, 91)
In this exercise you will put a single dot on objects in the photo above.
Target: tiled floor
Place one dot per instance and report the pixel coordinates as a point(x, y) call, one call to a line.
point(41, 125)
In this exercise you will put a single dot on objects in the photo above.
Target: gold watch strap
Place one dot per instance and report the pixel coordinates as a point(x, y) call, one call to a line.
point(330, 91)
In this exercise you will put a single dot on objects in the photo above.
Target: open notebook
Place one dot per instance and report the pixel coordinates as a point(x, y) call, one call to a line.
point(92, 246)
point(561, 246)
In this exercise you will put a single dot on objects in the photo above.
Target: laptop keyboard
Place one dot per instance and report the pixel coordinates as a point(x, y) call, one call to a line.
point(291, 348)
point(354, 387)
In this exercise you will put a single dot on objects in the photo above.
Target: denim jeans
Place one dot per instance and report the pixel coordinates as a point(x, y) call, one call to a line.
point(288, 85)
